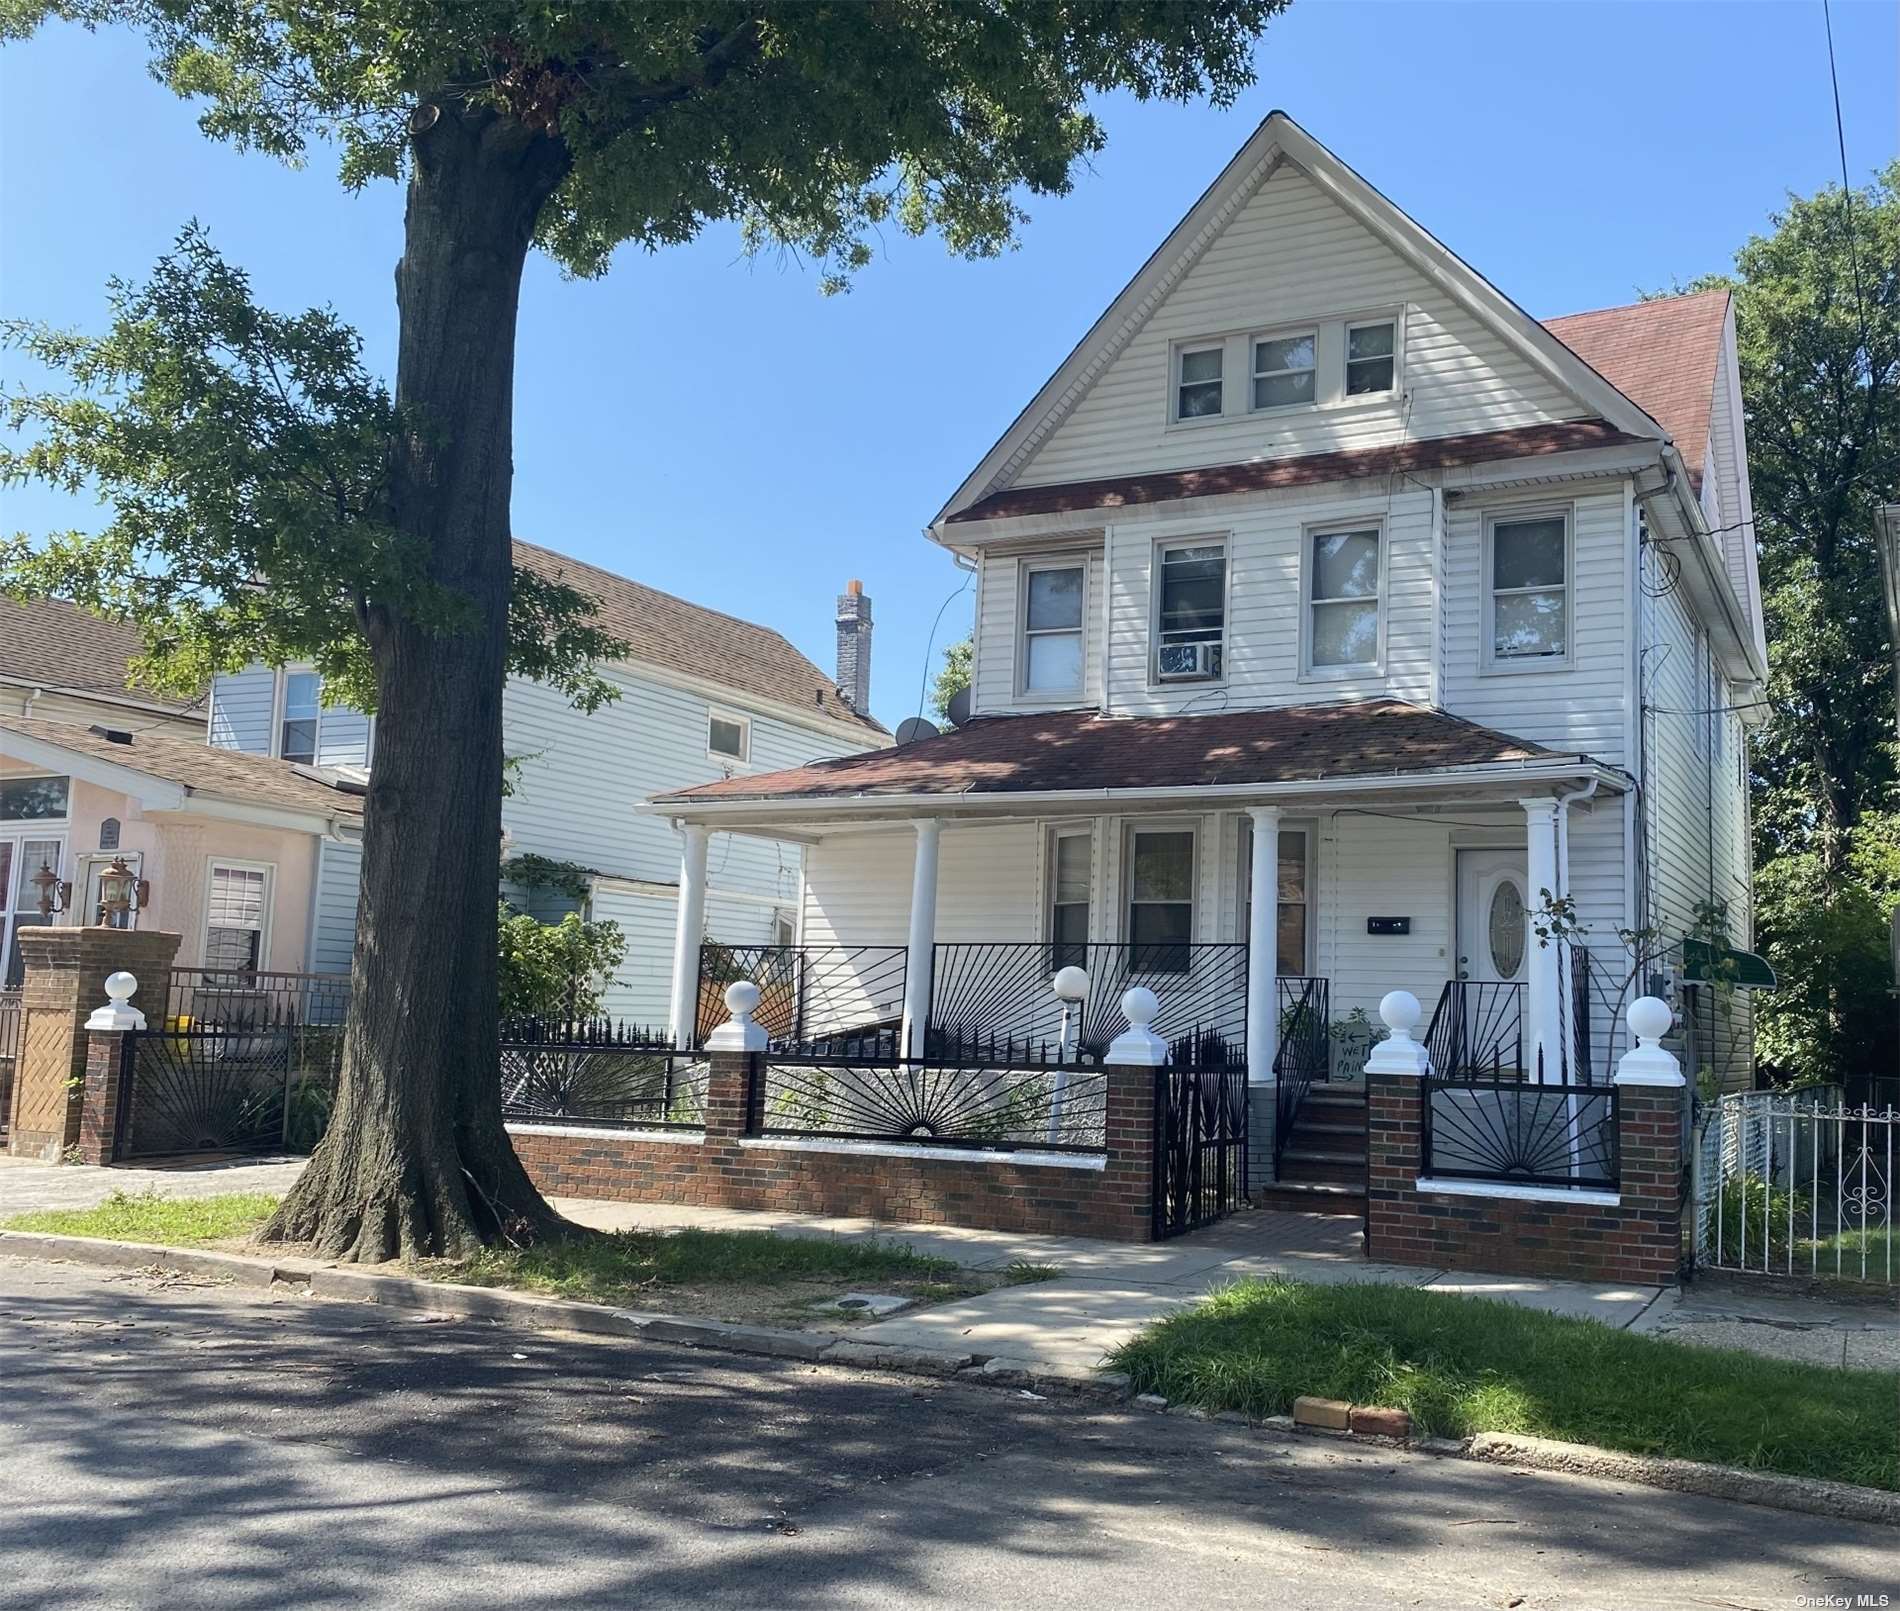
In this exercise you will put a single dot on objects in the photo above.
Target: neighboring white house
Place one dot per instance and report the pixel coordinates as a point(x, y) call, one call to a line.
point(702, 695)
point(1327, 601)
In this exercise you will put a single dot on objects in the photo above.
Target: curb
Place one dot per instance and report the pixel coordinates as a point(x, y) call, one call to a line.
point(528, 1311)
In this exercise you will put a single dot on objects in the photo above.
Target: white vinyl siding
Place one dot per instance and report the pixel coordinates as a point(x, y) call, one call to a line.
point(333, 907)
point(1290, 259)
point(243, 705)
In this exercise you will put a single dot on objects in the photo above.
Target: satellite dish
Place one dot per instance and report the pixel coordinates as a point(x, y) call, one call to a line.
point(958, 710)
point(912, 728)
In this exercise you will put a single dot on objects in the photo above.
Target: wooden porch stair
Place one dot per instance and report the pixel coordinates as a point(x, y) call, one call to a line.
point(1323, 1166)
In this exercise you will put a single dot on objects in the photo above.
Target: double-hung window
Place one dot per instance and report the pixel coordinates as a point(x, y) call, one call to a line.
point(1053, 601)
point(727, 737)
point(1190, 611)
point(1530, 588)
point(1197, 382)
point(1371, 361)
point(1343, 599)
point(1285, 369)
point(237, 907)
point(1160, 899)
point(1070, 869)
point(303, 711)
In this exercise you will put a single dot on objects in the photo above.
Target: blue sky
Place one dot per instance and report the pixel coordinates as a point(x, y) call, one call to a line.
point(715, 427)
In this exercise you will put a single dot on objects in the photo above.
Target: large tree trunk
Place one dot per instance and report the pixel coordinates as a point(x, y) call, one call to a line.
point(416, 1161)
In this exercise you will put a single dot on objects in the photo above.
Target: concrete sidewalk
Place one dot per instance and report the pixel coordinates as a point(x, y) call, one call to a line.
point(1108, 1291)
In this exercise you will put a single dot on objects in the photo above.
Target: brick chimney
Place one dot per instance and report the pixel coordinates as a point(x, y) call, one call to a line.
point(854, 647)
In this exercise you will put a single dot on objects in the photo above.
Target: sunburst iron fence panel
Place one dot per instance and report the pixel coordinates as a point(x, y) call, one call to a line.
point(931, 1104)
point(267, 1089)
point(1797, 1184)
point(1200, 1146)
point(995, 999)
point(1477, 1031)
point(844, 1000)
point(598, 1074)
point(1516, 1131)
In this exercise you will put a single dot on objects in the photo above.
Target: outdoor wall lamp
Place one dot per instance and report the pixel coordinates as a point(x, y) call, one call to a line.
point(54, 891)
point(121, 893)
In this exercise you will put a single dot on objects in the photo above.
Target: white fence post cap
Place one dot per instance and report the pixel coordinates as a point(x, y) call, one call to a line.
point(118, 1014)
point(1139, 1046)
point(1398, 1053)
point(739, 1033)
point(1647, 1062)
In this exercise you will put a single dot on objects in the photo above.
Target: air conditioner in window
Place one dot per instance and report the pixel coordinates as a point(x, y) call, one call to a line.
point(1188, 662)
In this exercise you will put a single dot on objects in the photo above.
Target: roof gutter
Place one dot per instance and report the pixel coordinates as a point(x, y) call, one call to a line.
point(1563, 769)
point(1713, 573)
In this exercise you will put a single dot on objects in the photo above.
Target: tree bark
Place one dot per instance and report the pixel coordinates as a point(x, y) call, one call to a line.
point(416, 1161)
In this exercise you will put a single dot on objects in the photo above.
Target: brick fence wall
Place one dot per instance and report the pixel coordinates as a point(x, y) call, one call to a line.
point(986, 1191)
point(1636, 1240)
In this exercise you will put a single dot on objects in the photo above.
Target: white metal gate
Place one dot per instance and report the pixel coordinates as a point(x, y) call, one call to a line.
point(1796, 1184)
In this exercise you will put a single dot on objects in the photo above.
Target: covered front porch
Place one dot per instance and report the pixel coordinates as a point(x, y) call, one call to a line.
point(1002, 925)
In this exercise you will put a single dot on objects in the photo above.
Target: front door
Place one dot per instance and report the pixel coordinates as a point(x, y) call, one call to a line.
point(1493, 896)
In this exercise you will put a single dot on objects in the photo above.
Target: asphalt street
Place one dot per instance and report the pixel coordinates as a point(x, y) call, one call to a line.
point(171, 1443)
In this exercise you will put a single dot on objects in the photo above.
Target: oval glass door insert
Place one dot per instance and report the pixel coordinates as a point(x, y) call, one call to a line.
point(1506, 929)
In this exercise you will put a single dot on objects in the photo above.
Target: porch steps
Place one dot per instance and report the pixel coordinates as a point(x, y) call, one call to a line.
point(1323, 1166)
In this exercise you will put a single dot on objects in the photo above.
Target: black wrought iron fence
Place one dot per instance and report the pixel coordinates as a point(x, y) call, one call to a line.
point(1477, 1031)
point(236, 1087)
point(930, 1103)
point(1200, 1146)
point(1521, 1132)
point(599, 1073)
point(1001, 993)
point(846, 999)
point(1304, 1052)
point(12, 1016)
point(231, 1000)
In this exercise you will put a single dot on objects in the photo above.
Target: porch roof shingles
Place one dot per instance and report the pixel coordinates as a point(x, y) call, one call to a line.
point(1307, 469)
point(1078, 749)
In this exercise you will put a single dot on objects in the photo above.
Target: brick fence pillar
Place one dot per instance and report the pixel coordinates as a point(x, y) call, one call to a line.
point(1395, 1116)
point(1128, 1176)
point(1651, 1132)
point(65, 979)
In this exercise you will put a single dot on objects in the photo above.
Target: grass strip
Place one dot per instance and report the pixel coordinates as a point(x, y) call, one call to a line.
point(148, 1217)
point(1466, 1365)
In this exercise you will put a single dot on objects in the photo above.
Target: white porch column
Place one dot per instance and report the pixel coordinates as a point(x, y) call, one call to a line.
point(923, 935)
point(1263, 945)
point(1543, 1022)
point(688, 932)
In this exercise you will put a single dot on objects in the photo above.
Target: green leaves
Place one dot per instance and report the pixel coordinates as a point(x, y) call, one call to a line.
point(554, 970)
point(812, 125)
point(245, 456)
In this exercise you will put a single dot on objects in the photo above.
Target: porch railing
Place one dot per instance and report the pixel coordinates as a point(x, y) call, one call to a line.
point(1519, 1132)
point(842, 1000)
point(1477, 1031)
point(232, 999)
point(930, 1102)
point(11, 1017)
point(1304, 1051)
point(994, 999)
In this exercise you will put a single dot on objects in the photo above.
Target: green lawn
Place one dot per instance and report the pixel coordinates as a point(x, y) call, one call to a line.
point(1463, 1365)
point(148, 1217)
point(738, 1270)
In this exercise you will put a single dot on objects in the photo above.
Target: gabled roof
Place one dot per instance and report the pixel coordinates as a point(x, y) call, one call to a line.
point(53, 644)
point(195, 768)
point(1662, 354)
point(1079, 749)
point(674, 635)
point(1279, 140)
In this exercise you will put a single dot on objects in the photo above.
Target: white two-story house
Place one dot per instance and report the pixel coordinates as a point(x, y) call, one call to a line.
point(1334, 616)
point(701, 694)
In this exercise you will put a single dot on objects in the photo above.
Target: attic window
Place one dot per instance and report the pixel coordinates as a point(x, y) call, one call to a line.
point(1284, 369)
point(726, 737)
point(1197, 383)
point(1370, 360)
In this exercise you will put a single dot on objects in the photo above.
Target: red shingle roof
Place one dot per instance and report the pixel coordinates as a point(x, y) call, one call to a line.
point(1263, 475)
point(1081, 750)
point(1661, 355)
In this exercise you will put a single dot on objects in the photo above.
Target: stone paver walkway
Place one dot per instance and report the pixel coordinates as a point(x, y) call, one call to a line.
point(1108, 1291)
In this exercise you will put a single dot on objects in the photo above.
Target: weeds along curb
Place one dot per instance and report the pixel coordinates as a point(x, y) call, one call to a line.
point(528, 1311)
point(525, 1311)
